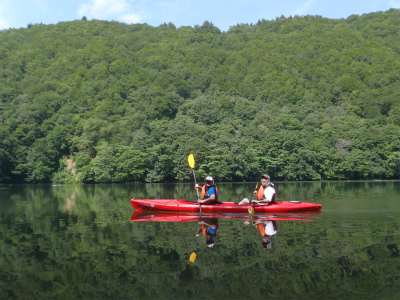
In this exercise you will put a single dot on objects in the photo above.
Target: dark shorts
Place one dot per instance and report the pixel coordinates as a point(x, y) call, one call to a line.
point(213, 202)
point(251, 201)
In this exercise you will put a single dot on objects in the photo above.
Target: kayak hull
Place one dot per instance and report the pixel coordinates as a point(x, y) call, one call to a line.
point(174, 205)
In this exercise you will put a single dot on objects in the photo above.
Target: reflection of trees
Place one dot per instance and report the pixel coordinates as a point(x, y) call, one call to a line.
point(95, 252)
point(70, 202)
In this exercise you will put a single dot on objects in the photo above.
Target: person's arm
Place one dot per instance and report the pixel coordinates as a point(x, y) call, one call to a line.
point(255, 194)
point(211, 198)
point(211, 225)
point(198, 187)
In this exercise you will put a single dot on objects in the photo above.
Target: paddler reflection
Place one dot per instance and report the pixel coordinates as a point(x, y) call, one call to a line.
point(267, 230)
point(210, 229)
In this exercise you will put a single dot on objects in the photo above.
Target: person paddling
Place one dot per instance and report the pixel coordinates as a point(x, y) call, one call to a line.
point(265, 193)
point(209, 192)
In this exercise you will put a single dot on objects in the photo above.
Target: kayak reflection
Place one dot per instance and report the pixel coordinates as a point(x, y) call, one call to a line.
point(152, 216)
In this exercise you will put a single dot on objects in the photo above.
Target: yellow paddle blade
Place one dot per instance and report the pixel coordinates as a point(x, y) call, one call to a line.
point(191, 160)
point(192, 257)
point(251, 211)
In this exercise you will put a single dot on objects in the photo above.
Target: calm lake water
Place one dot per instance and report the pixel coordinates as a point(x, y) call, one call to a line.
point(78, 242)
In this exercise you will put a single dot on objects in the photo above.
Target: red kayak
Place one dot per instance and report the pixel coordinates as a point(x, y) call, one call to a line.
point(223, 207)
point(143, 216)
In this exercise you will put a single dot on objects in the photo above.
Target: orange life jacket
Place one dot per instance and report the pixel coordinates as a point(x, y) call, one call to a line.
point(204, 191)
point(260, 193)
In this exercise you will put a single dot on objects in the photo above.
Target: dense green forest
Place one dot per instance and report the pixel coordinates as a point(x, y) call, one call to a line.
point(299, 98)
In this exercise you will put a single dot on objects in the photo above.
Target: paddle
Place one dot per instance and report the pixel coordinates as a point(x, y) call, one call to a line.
point(191, 164)
point(192, 257)
point(251, 208)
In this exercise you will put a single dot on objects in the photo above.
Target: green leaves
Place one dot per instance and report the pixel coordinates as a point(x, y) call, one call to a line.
point(131, 165)
point(301, 98)
point(104, 164)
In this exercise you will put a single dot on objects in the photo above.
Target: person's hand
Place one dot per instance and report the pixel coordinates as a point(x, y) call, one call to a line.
point(196, 186)
point(246, 222)
point(197, 233)
point(254, 193)
point(256, 201)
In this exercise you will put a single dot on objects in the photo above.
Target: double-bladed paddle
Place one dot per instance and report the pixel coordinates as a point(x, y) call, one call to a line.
point(191, 164)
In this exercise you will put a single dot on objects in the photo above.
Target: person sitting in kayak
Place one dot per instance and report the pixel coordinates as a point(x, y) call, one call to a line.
point(209, 192)
point(265, 194)
point(210, 228)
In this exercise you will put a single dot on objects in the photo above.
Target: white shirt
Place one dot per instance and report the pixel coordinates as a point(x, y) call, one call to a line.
point(269, 193)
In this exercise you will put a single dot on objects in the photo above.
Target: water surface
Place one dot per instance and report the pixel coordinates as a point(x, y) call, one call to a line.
point(77, 242)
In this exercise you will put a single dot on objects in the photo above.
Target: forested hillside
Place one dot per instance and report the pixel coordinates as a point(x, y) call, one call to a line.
point(299, 98)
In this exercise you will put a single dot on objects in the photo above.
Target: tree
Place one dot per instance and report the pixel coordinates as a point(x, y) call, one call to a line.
point(104, 163)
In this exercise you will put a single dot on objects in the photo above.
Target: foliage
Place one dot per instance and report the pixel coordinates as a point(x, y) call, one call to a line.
point(300, 98)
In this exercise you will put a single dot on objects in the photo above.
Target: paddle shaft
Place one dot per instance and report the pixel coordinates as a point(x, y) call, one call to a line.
point(252, 202)
point(254, 198)
point(198, 197)
point(195, 182)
